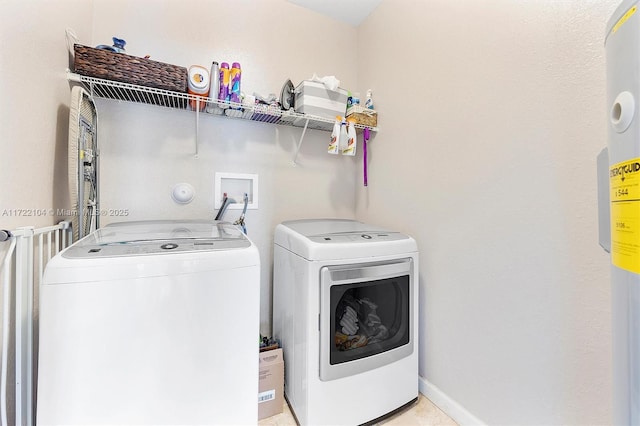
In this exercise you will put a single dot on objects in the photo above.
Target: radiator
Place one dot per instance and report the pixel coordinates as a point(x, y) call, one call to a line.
point(28, 249)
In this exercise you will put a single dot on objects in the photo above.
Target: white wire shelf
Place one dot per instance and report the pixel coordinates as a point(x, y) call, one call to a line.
point(109, 89)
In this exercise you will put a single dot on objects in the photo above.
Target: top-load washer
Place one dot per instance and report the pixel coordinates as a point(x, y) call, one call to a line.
point(151, 323)
point(345, 309)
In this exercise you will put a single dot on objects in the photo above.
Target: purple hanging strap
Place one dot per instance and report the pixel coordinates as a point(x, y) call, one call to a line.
point(364, 152)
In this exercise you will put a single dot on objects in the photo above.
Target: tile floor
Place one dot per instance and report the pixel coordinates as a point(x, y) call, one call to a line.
point(423, 413)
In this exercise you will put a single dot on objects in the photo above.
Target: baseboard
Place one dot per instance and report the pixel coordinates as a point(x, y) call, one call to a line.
point(451, 408)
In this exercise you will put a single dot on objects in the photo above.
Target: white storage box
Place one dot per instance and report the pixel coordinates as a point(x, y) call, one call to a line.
point(312, 97)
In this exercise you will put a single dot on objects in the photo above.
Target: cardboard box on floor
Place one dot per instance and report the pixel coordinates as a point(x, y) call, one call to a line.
point(271, 384)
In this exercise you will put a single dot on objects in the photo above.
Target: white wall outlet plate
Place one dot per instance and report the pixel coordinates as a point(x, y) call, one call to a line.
point(235, 185)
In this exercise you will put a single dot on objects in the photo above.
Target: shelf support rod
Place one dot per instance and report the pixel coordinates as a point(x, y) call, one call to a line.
point(295, 156)
point(197, 123)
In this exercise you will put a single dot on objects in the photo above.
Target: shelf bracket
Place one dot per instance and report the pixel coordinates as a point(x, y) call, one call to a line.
point(295, 156)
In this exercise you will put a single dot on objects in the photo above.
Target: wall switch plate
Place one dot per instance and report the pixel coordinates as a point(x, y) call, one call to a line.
point(236, 185)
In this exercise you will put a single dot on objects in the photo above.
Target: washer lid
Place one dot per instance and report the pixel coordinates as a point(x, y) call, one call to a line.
point(158, 237)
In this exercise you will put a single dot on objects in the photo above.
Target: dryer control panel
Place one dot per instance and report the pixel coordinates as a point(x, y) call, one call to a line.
point(358, 237)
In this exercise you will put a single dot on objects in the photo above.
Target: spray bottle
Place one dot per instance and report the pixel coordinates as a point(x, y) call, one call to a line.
point(234, 83)
point(369, 102)
point(223, 93)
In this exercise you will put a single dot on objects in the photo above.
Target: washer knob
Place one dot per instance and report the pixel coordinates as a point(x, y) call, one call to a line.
point(168, 246)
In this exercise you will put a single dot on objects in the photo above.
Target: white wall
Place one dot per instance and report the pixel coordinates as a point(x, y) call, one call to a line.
point(492, 114)
point(34, 113)
point(486, 156)
point(146, 150)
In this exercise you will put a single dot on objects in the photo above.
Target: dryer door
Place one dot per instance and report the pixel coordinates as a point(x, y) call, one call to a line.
point(365, 316)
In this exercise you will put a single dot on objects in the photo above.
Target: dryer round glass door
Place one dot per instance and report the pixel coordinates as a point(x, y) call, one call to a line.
point(365, 317)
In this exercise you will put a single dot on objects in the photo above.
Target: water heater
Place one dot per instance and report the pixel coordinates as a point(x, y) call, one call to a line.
point(619, 195)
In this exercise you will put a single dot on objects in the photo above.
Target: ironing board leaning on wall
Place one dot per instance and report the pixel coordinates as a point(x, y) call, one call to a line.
point(83, 163)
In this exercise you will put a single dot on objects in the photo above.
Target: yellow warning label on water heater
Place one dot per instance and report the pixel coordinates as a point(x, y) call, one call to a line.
point(624, 18)
point(624, 184)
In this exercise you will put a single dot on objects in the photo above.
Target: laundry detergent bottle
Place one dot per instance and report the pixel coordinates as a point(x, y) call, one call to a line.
point(335, 136)
point(198, 84)
point(344, 137)
point(350, 148)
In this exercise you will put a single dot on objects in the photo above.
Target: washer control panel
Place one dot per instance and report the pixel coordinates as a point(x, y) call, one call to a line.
point(148, 247)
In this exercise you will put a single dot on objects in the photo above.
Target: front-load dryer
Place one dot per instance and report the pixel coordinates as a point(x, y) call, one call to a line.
point(345, 309)
point(151, 323)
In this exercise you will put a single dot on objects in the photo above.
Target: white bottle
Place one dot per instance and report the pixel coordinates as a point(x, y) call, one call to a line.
point(335, 137)
point(369, 102)
point(352, 141)
point(213, 90)
point(344, 137)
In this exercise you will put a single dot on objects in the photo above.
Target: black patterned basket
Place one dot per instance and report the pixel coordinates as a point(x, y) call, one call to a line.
point(125, 68)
